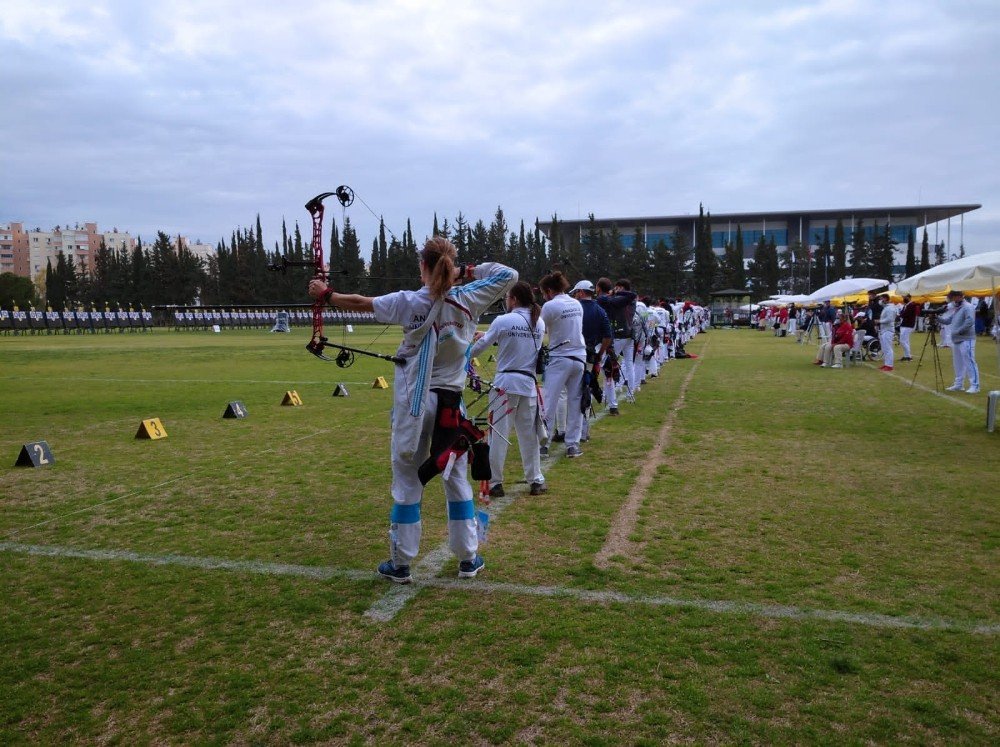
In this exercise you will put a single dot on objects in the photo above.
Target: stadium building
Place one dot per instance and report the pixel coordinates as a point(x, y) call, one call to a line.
point(785, 227)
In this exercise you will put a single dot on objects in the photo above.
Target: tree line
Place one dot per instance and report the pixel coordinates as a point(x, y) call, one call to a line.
point(682, 266)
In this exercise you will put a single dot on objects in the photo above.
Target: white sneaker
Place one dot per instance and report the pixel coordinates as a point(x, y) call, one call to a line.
point(954, 388)
point(972, 390)
point(837, 365)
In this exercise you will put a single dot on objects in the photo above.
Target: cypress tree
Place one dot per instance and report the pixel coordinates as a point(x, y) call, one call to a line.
point(911, 256)
point(839, 252)
point(925, 253)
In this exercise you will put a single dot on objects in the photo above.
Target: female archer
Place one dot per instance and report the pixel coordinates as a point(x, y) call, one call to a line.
point(438, 321)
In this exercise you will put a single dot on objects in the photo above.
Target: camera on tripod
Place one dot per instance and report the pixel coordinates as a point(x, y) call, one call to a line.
point(931, 314)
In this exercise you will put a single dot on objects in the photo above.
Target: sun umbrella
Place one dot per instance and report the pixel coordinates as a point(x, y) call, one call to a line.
point(845, 287)
point(976, 274)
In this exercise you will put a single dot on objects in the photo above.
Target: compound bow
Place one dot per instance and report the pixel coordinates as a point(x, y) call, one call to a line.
point(319, 342)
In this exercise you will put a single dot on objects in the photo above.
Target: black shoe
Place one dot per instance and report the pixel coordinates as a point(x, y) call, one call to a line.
point(613, 411)
point(558, 438)
point(497, 491)
point(538, 488)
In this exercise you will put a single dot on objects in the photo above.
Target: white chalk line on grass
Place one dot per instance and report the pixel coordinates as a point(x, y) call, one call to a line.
point(587, 596)
point(93, 379)
point(392, 602)
point(147, 488)
point(943, 395)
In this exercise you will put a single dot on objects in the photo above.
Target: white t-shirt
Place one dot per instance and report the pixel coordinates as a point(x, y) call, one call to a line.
point(517, 350)
point(563, 317)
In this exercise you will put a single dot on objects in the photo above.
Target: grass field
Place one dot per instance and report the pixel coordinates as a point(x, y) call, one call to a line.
point(811, 555)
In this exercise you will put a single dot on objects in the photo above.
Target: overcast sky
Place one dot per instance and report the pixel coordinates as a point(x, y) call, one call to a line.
point(193, 116)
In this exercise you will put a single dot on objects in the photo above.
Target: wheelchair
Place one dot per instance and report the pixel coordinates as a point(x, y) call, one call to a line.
point(871, 349)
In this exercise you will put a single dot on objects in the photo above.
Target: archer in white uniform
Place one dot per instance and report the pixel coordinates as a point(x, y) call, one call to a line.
point(563, 318)
point(439, 321)
point(518, 337)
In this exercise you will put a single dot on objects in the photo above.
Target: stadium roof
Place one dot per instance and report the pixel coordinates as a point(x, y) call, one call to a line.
point(925, 215)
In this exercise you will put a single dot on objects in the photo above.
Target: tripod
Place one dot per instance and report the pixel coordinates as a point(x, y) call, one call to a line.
point(815, 324)
point(931, 341)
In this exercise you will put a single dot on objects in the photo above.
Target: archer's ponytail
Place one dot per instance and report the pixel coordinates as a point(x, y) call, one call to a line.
point(525, 298)
point(439, 256)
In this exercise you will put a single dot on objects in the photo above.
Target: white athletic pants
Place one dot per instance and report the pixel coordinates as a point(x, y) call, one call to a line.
point(522, 411)
point(626, 352)
point(945, 336)
point(407, 495)
point(963, 355)
point(638, 369)
point(885, 337)
point(904, 340)
point(563, 373)
point(624, 349)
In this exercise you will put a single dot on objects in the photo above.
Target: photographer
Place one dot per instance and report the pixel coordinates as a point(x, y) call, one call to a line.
point(962, 324)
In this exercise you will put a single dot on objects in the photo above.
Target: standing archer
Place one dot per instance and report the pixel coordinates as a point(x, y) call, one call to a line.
point(430, 435)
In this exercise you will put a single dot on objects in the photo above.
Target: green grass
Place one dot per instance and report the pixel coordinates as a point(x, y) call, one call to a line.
point(781, 484)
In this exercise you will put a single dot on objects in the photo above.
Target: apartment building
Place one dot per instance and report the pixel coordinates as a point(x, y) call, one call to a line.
point(13, 249)
point(27, 253)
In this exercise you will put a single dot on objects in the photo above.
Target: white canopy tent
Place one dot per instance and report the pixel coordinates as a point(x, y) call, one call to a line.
point(798, 299)
point(845, 287)
point(976, 273)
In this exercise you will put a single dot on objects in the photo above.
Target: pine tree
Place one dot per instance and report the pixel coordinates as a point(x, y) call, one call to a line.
point(461, 239)
point(859, 251)
point(940, 256)
point(839, 252)
point(734, 273)
point(705, 261)
point(883, 253)
point(911, 257)
point(497, 238)
point(350, 260)
point(925, 253)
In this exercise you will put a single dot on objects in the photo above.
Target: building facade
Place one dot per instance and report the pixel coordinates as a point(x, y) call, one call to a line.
point(13, 249)
point(27, 253)
point(809, 227)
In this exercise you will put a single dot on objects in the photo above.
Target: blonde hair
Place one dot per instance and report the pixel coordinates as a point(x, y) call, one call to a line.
point(439, 255)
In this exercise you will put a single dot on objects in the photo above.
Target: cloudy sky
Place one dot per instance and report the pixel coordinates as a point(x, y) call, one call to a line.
point(193, 116)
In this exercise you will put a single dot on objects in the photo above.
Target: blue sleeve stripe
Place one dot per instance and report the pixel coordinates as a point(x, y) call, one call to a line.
point(405, 513)
point(498, 278)
point(422, 372)
point(460, 510)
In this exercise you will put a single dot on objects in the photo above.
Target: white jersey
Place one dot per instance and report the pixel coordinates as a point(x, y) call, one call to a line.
point(661, 317)
point(455, 324)
point(517, 350)
point(435, 340)
point(563, 317)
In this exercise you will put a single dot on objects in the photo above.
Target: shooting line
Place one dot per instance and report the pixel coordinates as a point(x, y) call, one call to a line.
point(583, 596)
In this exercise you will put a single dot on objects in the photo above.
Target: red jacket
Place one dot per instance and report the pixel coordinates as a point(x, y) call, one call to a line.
point(843, 334)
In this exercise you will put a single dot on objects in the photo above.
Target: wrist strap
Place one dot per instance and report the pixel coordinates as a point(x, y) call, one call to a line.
point(325, 298)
